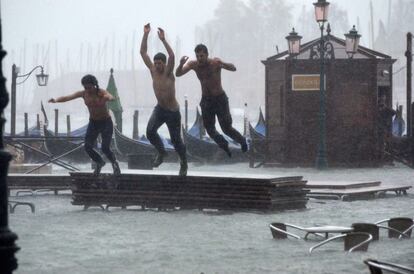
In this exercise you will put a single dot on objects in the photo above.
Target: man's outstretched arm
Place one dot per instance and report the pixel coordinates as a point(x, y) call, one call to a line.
point(183, 69)
point(144, 47)
point(171, 57)
point(66, 98)
point(223, 65)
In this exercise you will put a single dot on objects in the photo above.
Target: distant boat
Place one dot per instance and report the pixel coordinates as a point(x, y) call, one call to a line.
point(127, 146)
point(398, 126)
point(259, 131)
point(62, 143)
point(258, 137)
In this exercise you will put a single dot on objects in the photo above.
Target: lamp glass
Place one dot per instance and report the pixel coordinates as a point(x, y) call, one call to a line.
point(321, 11)
point(293, 42)
point(352, 41)
point(42, 79)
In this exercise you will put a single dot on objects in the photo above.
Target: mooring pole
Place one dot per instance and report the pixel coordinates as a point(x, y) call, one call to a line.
point(56, 121)
point(409, 55)
point(135, 133)
point(68, 127)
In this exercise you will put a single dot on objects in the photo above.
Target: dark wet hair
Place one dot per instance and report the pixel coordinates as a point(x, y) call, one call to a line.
point(201, 47)
point(160, 56)
point(90, 79)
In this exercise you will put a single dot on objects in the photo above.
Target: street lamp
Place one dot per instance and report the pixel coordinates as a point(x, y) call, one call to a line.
point(42, 79)
point(352, 42)
point(293, 43)
point(321, 16)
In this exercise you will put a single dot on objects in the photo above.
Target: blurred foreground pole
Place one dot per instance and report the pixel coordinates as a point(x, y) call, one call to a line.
point(409, 55)
point(8, 262)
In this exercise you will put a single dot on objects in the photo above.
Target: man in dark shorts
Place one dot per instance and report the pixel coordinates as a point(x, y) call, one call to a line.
point(214, 101)
point(167, 110)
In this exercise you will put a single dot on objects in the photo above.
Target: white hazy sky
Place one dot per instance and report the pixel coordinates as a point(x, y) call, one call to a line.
point(42, 24)
point(31, 27)
point(72, 22)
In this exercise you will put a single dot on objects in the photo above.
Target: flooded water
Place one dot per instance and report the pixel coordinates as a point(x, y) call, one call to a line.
point(62, 238)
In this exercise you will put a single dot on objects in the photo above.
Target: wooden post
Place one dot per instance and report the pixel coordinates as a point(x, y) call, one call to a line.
point(135, 134)
point(56, 121)
point(68, 125)
point(26, 124)
point(409, 55)
point(411, 137)
point(245, 120)
point(186, 113)
point(38, 121)
point(13, 101)
point(250, 153)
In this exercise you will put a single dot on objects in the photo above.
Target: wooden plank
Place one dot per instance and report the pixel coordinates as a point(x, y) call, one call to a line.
point(207, 177)
point(39, 181)
point(164, 190)
point(359, 190)
point(341, 184)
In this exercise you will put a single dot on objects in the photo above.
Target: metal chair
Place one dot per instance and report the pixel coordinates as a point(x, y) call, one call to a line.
point(13, 204)
point(353, 241)
point(400, 227)
point(373, 229)
point(377, 267)
point(279, 230)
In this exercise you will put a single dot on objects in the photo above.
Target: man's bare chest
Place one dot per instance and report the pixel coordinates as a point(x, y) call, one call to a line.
point(94, 101)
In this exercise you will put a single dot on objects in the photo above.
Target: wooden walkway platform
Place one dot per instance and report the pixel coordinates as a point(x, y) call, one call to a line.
point(38, 182)
point(196, 191)
point(349, 191)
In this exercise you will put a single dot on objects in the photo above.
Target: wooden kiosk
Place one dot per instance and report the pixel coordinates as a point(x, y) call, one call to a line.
point(353, 86)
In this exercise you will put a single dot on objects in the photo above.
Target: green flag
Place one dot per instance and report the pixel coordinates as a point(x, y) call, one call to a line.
point(115, 105)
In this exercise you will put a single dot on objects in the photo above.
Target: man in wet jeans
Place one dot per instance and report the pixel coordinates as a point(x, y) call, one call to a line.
point(219, 105)
point(214, 101)
point(167, 109)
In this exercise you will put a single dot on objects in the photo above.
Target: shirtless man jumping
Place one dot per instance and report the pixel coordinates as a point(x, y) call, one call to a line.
point(214, 101)
point(100, 121)
point(167, 110)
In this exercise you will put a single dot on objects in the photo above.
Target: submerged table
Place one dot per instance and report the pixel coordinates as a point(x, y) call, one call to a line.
point(326, 229)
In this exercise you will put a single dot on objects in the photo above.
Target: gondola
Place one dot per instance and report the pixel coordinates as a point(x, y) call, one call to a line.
point(127, 146)
point(260, 128)
point(198, 144)
point(63, 143)
point(258, 137)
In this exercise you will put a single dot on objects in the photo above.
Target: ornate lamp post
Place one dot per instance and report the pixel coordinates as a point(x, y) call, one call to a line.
point(352, 42)
point(42, 79)
point(293, 43)
point(321, 15)
point(324, 50)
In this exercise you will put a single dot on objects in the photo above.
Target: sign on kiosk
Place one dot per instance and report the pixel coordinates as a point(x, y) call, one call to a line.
point(306, 82)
